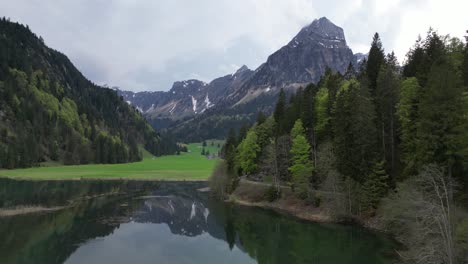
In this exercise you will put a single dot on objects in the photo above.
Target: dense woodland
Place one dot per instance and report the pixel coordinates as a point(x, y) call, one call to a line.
point(50, 112)
point(383, 141)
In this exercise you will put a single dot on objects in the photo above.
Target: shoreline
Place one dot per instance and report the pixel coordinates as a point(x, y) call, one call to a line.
point(248, 194)
point(19, 178)
point(304, 213)
point(283, 209)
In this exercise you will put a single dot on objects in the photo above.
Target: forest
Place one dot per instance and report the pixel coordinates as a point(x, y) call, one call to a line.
point(384, 142)
point(49, 112)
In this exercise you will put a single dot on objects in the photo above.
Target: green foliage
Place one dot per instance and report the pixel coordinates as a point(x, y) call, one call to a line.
point(301, 167)
point(386, 98)
point(407, 113)
point(354, 130)
point(298, 129)
point(375, 186)
point(375, 59)
point(321, 111)
point(280, 114)
point(440, 113)
point(248, 153)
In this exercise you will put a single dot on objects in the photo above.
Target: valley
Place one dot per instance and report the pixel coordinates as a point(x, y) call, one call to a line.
point(319, 154)
point(191, 166)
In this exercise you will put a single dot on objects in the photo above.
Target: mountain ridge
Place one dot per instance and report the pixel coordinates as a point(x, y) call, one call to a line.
point(303, 60)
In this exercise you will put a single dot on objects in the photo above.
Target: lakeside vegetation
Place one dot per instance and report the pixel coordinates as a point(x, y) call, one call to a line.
point(383, 143)
point(190, 165)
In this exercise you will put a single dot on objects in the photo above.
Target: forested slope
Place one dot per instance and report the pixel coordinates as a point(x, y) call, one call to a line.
point(50, 112)
point(387, 140)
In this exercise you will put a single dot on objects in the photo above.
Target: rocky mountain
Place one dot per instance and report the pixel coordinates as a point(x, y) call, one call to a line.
point(360, 57)
point(186, 98)
point(317, 46)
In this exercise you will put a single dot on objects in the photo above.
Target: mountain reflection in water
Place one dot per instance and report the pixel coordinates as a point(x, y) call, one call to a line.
point(166, 223)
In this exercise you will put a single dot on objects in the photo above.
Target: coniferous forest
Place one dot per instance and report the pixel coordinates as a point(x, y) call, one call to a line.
point(383, 141)
point(50, 112)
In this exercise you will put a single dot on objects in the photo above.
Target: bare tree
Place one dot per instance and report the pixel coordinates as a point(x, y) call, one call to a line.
point(269, 164)
point(420, 213)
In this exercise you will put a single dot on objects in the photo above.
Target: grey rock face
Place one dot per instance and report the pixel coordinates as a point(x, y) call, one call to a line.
point(303, 60)
point(186, 98)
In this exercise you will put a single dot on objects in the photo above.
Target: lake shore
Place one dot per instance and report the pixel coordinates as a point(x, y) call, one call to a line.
point(251, 194)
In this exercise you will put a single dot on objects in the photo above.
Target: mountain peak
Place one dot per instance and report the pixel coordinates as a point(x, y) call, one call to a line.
point(322, 27)
point(242, 69)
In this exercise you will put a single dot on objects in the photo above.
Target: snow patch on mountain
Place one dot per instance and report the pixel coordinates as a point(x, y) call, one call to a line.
point(173, 107)
point(194, 103)
point(207, 102)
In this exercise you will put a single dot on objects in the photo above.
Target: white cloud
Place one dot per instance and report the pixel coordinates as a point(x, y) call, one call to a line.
point(146, 45)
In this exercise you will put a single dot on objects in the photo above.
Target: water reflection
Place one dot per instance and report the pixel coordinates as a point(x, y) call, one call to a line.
point(174, 223)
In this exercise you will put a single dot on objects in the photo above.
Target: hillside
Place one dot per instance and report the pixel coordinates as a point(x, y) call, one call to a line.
point(50, 112)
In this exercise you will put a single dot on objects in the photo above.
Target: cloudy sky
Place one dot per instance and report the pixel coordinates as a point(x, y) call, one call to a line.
point(146, 45)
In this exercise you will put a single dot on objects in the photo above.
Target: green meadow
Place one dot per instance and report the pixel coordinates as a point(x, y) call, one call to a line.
point(186, 166)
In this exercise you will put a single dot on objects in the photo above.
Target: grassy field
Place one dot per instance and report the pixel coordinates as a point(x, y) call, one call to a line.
point(187, 166)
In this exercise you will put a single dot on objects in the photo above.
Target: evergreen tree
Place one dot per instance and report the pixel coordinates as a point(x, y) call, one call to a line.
point(261, 118)
point(229, 150)
point(243, 132)
point(280, 113)
point(386, 97)
point(375, 59)
point(375, 186)
point(354, 130)
point(301, 166)
point(407, 113)
point(350, 72)
point(440, 114)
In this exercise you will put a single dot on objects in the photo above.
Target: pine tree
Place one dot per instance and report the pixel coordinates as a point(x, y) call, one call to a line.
point(229, 150)
point(261, 118)
point(350, 72)
point(301, 166)
point(386, 97)
point(280, 113)
point(375, 59)
point(375, 186)
point(354, 130)
point(440, 114)
point(407, 113)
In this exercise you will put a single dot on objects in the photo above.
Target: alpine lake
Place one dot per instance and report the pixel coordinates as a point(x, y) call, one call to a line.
point(117, 221)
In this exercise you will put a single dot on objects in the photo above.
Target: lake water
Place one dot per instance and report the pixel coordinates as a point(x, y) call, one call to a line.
point(148, 222)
